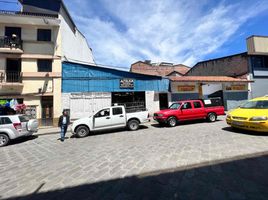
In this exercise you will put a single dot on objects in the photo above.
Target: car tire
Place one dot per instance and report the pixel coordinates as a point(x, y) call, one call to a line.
point(133, 125)
point(4, 140)
point(172, 122)
point(82, 131)
point(212, 117)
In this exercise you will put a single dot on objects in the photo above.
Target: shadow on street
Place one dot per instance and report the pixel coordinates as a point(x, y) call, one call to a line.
point(242, 178)
point(241, 131)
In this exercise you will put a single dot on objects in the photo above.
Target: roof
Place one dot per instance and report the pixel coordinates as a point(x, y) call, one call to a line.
point(145, 68)
point(19, 13)
point(111, 68)
point(207, 79)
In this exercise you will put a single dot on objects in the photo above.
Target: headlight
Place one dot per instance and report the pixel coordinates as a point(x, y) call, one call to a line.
point(160, 115)
point(259, 118)
point(228, 116)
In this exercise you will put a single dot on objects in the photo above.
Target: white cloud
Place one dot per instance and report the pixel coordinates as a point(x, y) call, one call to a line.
point(174, 31)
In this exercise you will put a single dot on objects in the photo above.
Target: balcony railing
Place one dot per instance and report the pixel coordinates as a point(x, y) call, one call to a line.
point(9, 12)
point(9, 42)
point(10, 77)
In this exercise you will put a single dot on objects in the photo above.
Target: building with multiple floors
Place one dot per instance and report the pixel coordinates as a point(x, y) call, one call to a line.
point(33, 44)
point(251, 65)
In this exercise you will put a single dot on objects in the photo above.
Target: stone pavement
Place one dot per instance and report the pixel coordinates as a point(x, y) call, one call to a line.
point(191, 161)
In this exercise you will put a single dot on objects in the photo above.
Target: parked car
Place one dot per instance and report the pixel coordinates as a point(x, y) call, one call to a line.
point(15, 126)
point(188, 110)
point(253, 115)
point(109, 118)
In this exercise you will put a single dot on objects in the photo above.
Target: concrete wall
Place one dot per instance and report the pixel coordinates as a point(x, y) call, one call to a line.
point(152, 101)
point(74, 45)
point(259, 87)
point(210, 88)
point(234, 99)
point(257, 45)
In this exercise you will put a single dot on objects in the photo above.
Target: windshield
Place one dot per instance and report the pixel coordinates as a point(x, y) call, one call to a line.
point(175, 106)
point(255, 105)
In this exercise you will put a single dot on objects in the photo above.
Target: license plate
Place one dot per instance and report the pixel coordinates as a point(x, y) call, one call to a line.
point(238, 123)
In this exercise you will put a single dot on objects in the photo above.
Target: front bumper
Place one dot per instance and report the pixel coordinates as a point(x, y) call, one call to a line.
point(259, 126)
point(160, 119)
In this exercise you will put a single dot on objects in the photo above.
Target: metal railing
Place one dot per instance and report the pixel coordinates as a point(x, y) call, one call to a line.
point(9, 12)
point(9, 42)
point(10, 77)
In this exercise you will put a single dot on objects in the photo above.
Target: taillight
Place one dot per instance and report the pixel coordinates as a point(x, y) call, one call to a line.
point(17, 126)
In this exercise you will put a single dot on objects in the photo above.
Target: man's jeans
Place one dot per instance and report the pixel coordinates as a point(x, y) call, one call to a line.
point(63, 131)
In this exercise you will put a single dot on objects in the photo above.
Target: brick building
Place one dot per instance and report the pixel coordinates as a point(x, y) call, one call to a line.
point(159, 69)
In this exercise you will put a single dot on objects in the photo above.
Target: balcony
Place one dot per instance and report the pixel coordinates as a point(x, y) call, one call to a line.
point(10, 78)
point(10, 43)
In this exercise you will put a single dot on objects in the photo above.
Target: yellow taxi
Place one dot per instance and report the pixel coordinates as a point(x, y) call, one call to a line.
point(252, 115)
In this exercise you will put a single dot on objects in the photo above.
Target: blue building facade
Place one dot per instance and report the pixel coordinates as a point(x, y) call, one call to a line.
point(87, 78)
point(87, 88)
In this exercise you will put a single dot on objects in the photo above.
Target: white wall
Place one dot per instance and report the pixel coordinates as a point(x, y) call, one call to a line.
point(74, 45)
point(152, 101)
point(211, 88)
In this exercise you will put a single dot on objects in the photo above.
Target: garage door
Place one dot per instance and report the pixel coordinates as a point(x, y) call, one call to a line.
point(84, 105)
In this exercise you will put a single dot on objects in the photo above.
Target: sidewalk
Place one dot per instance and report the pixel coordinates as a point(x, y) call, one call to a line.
point(56, 130)
point(50, 130)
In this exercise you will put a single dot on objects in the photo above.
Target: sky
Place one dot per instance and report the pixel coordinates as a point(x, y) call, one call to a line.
point(121, 32)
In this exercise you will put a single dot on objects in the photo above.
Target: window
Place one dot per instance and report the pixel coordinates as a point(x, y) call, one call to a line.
point(24, 118)
point(44, 65)
point(260, 62)
point(255, 105)
point(197, 104)
point(117, 111)
point(175, 106)
point(103, 113)
point(5, 120)
point(187, 105)
point(43, 35)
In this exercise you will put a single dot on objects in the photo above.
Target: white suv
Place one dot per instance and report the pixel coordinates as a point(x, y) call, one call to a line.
point(15, 126)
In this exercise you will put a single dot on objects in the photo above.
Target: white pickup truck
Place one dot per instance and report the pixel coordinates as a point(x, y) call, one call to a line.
point(109, 118)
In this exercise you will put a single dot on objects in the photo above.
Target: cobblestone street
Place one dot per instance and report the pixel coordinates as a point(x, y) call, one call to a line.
point(191, 161)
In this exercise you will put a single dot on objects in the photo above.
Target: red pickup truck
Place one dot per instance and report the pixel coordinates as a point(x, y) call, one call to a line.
point(188, 110)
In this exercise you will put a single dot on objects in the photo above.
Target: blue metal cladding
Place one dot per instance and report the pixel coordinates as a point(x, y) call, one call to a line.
point(86, 78)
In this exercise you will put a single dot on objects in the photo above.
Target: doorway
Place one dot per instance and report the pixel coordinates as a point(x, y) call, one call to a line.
point(163, 101)
point(47, 111)
point(133, 101)
point(9, 31)
point(13, 70)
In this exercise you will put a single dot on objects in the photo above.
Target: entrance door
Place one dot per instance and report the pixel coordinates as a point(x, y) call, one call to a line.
point(47, 111)
point(13, 70)
point(163, 101)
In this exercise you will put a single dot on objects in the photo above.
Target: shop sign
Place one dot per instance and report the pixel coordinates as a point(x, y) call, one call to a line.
point(126, 83)
point(236, 87)
point(186, 88)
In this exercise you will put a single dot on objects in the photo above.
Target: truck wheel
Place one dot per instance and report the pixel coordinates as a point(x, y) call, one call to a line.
point(82, 131)
point(212, 117)
point(133, 125)
point(172, 121)
point(4, 139)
